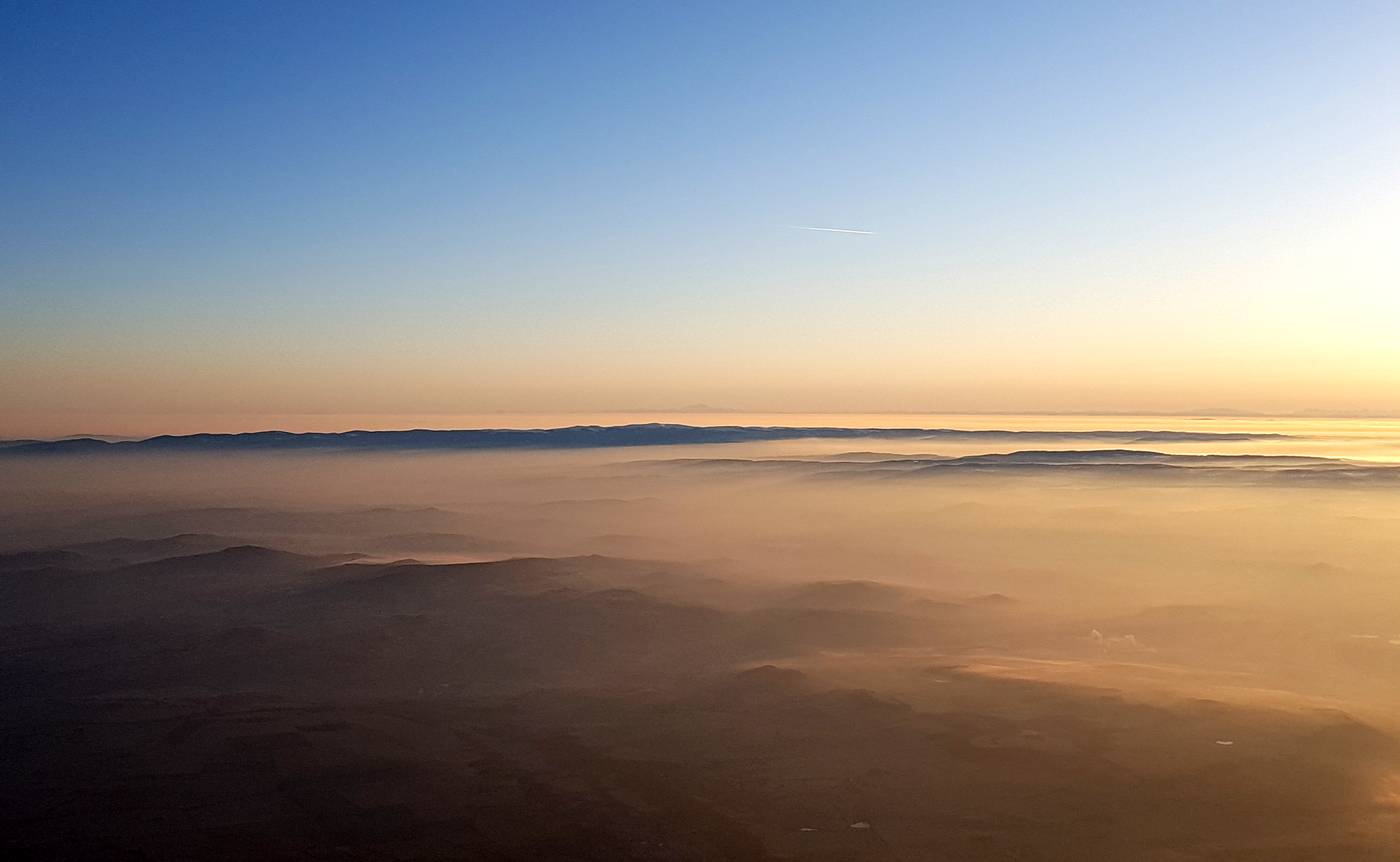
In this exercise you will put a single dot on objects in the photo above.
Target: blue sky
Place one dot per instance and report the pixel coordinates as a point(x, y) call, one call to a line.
point(586, 205)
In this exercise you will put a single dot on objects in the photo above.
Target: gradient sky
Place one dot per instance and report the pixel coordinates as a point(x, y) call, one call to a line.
point(409, 208)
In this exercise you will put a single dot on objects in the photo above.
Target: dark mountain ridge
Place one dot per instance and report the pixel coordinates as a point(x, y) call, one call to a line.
point(574, 437)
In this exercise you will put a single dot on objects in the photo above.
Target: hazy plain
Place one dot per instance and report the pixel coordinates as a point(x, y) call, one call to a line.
point(718, 651)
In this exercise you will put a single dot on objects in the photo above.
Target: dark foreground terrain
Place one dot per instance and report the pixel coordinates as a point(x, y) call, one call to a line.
point(188, 697)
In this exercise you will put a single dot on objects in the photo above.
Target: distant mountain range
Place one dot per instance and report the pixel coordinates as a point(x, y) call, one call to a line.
point(574, 437)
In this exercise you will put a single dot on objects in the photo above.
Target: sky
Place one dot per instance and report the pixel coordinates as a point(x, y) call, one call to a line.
point(404, 209)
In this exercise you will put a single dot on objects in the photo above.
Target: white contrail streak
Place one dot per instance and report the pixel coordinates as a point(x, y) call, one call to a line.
point(833, 230)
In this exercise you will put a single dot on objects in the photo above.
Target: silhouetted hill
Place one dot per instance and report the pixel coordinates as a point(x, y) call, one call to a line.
point(574, 437)
point(765, 683)
point(28, 561)
point(185, 585)
point(239, 560)
point(436, 543)
point(112, 553)
point(142, 550)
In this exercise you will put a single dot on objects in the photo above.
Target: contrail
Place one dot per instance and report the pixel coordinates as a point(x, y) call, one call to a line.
point(833, 230)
